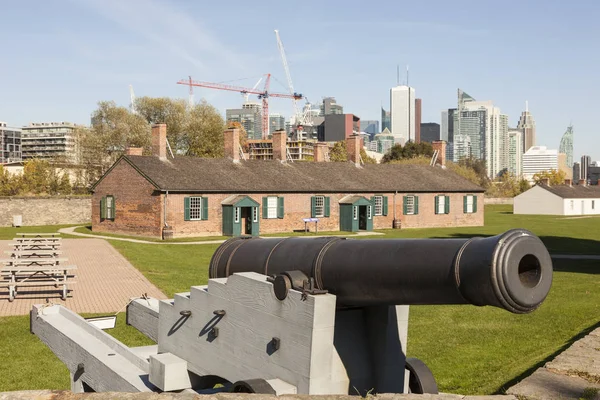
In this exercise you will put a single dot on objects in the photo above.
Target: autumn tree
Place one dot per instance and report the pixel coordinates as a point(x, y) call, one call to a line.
point(479, 167)
point(243, 133)
point(464, 171)
point(365, 157)
point(164, 110)
point(204, 134)
point(408, 151)
point(555, 177)
point(338, 152)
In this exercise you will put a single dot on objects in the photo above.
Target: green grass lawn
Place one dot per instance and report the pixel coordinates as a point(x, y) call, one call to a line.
point(88, 231)
point(559, 234)
point(28, 364)
point(8, 232)
point(471, 350)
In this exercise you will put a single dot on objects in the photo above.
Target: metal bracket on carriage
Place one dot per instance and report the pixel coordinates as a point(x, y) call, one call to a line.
point(296, 280)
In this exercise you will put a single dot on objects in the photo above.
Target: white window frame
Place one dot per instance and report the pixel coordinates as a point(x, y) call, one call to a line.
point(441, 205)
point(319, 206)
point(236, 212)
point(254, 214)
point(110, 207)
point(378, 200)
point(470, 205)
point(196, 208)
point(272, 203)
point(410, 205)
point(355, 212)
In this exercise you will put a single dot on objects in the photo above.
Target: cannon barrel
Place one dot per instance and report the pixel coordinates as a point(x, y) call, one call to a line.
point(512, 270)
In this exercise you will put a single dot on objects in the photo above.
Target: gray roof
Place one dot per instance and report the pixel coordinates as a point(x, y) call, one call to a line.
point(222, 175)
point(574, 192)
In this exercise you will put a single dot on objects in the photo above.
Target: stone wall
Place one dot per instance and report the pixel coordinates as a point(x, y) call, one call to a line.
point(498, 200)
point(46, 210)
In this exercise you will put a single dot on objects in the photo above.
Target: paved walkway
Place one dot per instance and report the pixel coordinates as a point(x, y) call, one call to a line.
point(105, 281)
point(71, 231)
point(572, 372)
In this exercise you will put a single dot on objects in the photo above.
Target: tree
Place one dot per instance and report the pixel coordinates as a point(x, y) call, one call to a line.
point(410, 150)
point(505, 186)
point(9, 185)
point(243, 133)
point(480, 169)
point(523, 185)
point(464, 171)
point(36, 177)
point(204, 133)
point(366, 159)
point(555, 177)
point(164, 110)
point(338, 152)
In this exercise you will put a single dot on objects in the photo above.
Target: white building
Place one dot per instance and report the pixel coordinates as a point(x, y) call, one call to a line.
point(51, 141)
point(402, 113)
point(514, 150)
point(10, 143)
point(538, 159)
point(559, 200)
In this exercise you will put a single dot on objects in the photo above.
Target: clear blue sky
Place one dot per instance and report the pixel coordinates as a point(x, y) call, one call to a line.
point(60, 57)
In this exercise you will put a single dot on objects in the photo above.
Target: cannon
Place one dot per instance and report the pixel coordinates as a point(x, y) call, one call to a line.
point(322, 315)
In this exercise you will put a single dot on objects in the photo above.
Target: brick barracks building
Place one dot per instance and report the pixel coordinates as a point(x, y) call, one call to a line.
point(165, 197)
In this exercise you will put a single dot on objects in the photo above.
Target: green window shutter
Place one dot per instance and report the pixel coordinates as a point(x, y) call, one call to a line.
point(204, 208)
point(385, 205)
point(114, 208)
point(436, 202)
point(327, 206)
point(416, 205)
point(265, 207)
point(474, 203)
point(280, 207)
point(186, 208)
point(103, 208)
point(313, 201)
point(404, 205)
point(447, 205)
point(465, 204)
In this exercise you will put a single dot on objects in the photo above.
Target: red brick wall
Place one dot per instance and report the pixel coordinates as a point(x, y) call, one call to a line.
point(297, 207)
point(138, 208)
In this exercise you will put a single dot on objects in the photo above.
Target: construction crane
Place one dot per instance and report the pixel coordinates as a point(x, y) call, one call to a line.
point(262, 95)
point(132, 100)
point(246, 95)
point(287, 73)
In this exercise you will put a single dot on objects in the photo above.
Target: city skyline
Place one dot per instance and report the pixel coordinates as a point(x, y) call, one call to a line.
point(59, 70)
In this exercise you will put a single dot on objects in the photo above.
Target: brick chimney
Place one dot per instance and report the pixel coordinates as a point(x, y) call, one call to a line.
point(159, 141)
point(134, 151)
point(232, 144)
point(319, 151)
point(280, 145)
point(568, 182)
point(583, 182)
point(545, 181)
point(440, 146)
point(353, 146)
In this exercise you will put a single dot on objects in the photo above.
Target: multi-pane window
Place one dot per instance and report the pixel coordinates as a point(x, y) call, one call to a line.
point(410, 205)
point(378, 200)
point(272, 207)
point(195, 208)
point(237, 214)
point(254, 214)
point(319, 206)
point(110, 207)
point(355, 212)
point(441, 204)
point(369, 212)
point(469, 204)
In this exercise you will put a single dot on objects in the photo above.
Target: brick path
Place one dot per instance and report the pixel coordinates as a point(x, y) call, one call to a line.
point(105, 281)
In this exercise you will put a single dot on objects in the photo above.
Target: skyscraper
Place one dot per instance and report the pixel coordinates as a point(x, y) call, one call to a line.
point(515, 153)
point(487, 129)
point(329, 107)
point(527, 127)
point(10, 143)
point(369, 126)
point(566, 146)
point(276, 122)
point(576, 172)
point(585, 167)
point(538, 159)
point(386, 120)
point(417, 138)
point(402, 111)
point(447, 125)
point(249, 116)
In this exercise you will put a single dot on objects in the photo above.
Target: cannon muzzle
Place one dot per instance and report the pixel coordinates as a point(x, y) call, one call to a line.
point(512, 270)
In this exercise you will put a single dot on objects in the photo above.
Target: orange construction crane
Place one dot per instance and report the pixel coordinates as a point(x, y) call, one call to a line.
point(262, 94)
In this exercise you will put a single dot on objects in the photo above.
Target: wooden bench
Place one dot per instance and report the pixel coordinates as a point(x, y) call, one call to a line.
point(16, 277)
point(35, 246)
point(39, 234)
point(33, 253)
point(26, 262)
